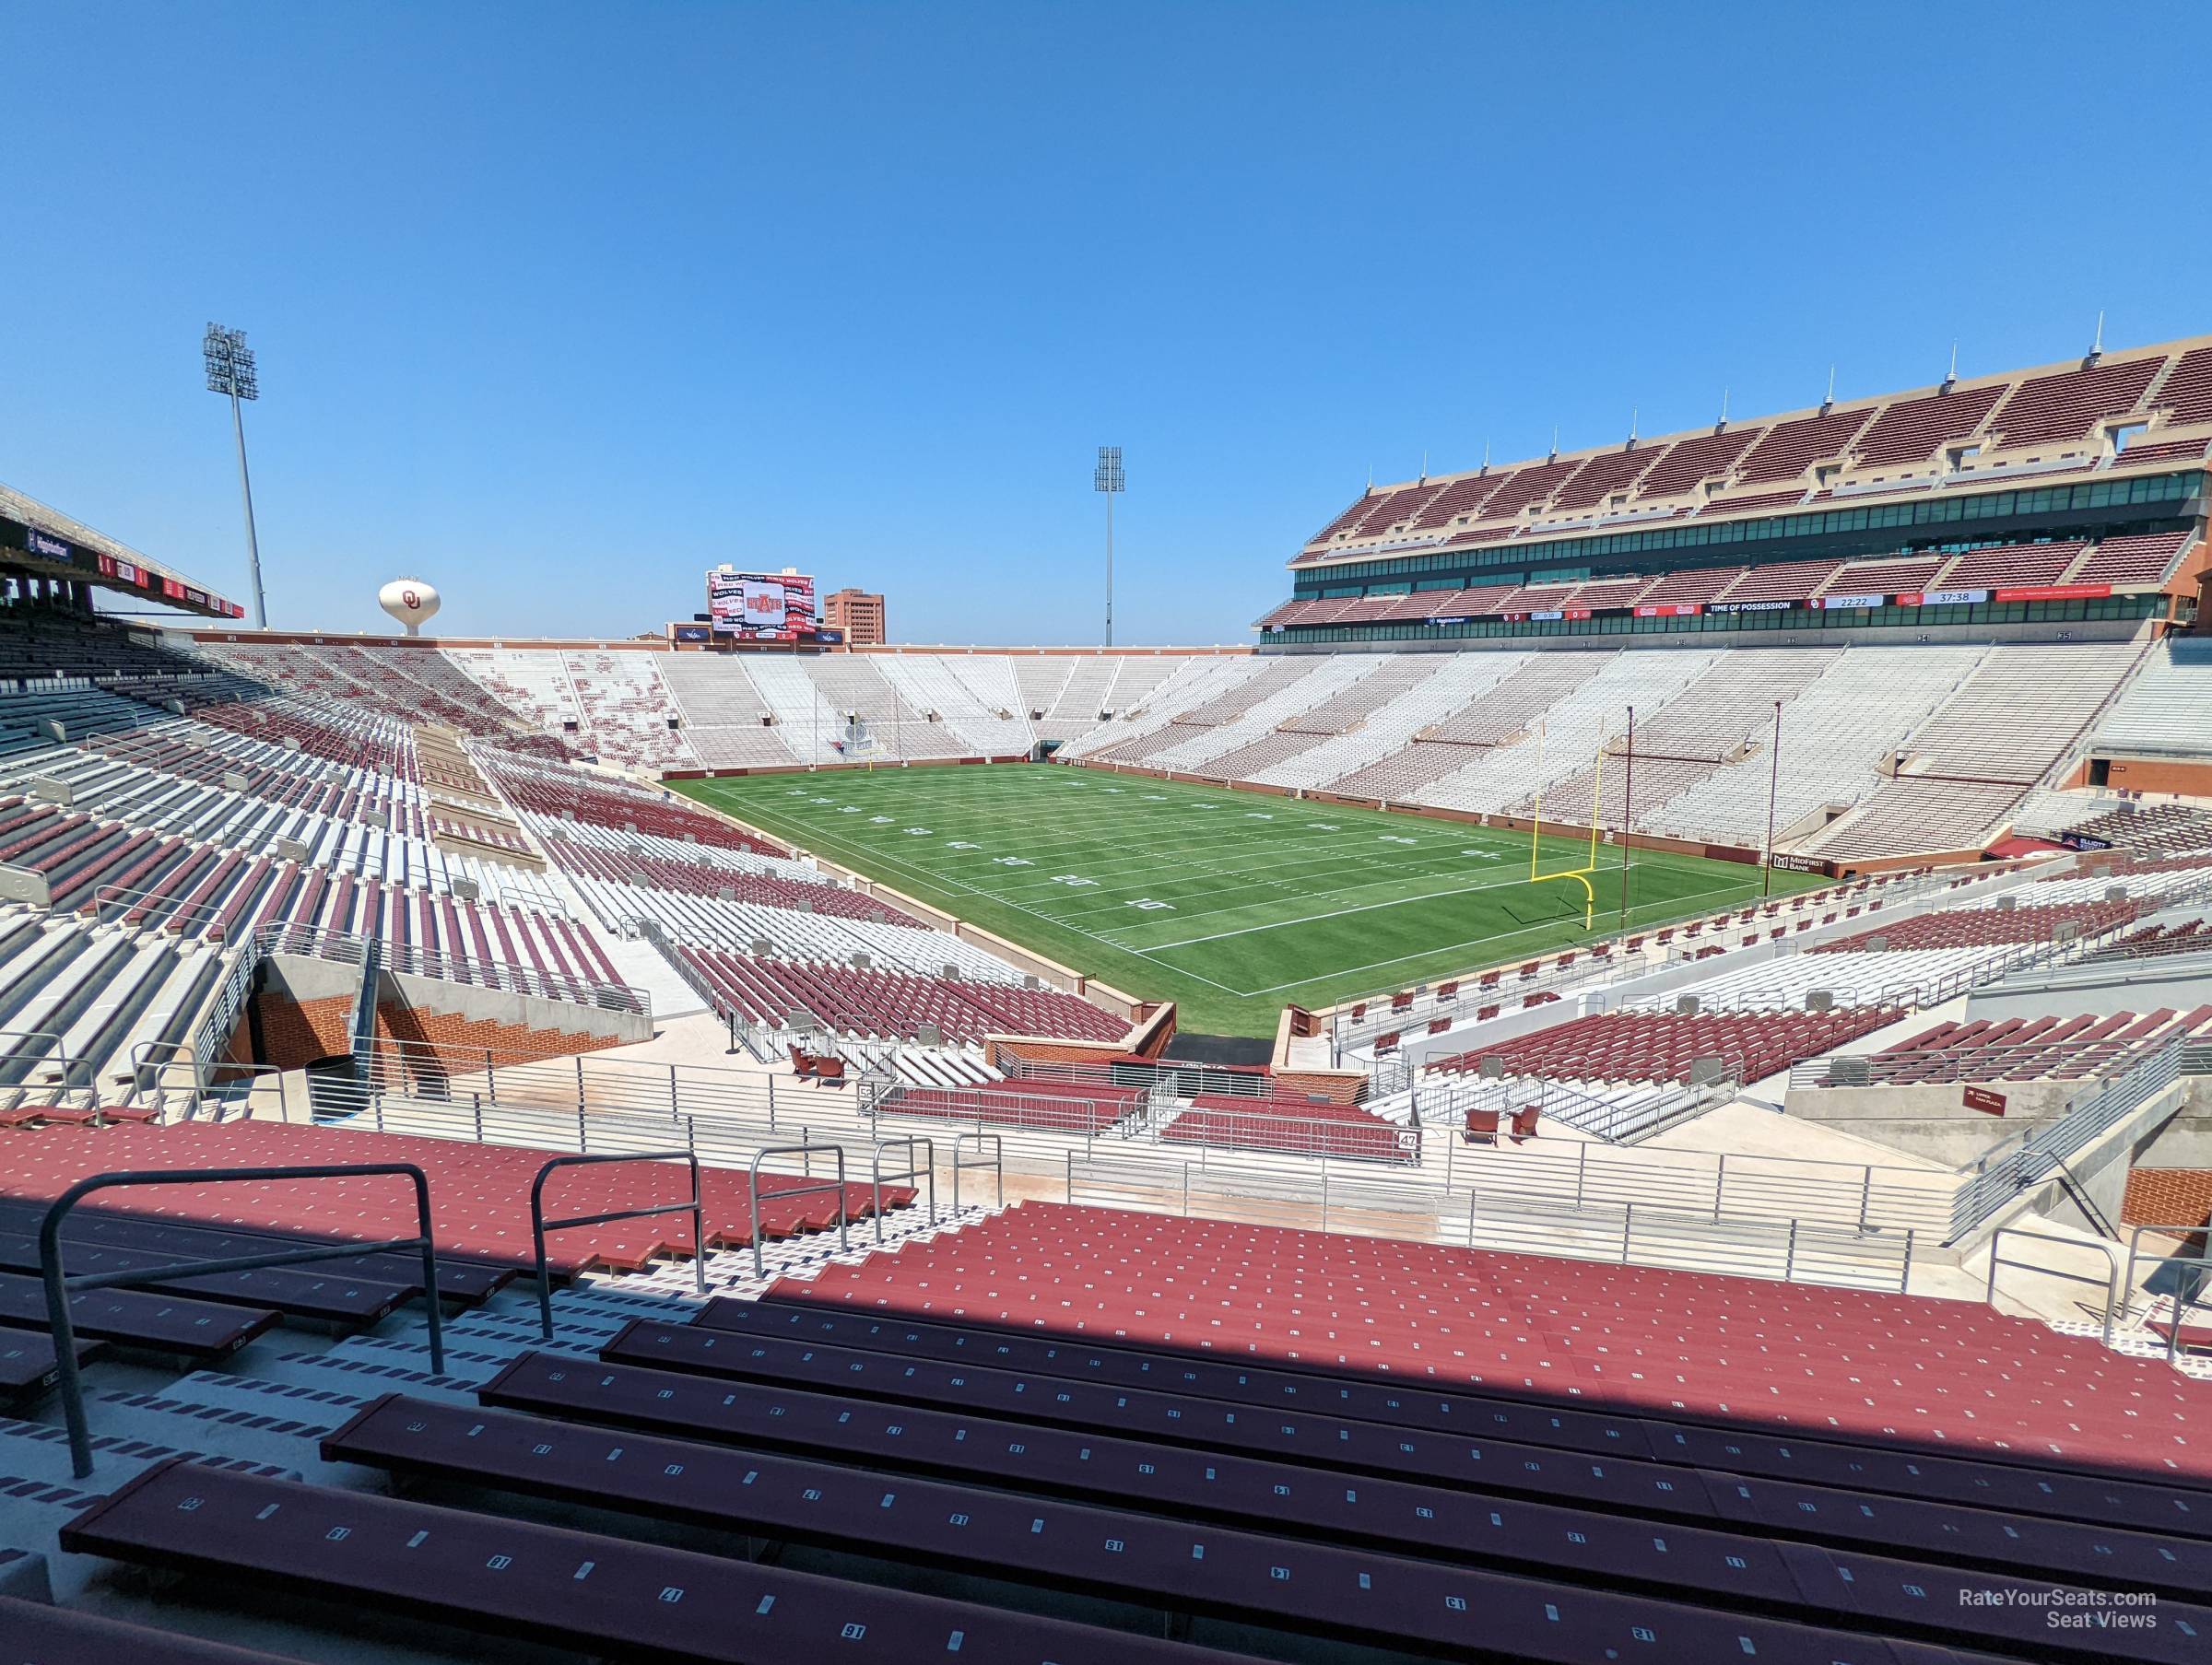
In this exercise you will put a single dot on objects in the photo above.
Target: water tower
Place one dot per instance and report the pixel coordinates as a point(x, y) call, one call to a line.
point(410, 600)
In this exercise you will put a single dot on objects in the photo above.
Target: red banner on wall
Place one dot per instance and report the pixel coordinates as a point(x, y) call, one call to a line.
point(2053, 592)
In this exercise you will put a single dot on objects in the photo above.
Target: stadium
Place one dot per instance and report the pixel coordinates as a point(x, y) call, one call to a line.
point(1626, 1076)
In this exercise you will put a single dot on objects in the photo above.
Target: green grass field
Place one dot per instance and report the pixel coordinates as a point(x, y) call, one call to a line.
point(1229, 903)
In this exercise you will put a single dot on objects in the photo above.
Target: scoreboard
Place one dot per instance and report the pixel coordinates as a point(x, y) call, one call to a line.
point(761, 607)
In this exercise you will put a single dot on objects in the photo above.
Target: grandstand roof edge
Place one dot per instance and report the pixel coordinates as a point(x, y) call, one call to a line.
point(1653, 441)
point(1313, 553)
point(115, 565)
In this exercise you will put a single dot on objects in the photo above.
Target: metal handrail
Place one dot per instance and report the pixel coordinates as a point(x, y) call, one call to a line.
point(927, 1172)
point(156, 1077)
point(2134, 1241)
point(805, 1152)
point(540, 1225)
point(60, 1053)
point(2112, 1258)
point(995, 1161)
point(59, 1288)
point(141, 1070)
point(2202, 1265)
point(2127, 1284)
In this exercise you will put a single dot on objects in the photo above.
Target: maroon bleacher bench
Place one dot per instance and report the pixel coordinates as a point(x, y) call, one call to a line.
point(573, 1589)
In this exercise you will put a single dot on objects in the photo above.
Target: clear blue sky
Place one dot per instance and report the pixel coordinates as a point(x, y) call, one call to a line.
point(556, 305)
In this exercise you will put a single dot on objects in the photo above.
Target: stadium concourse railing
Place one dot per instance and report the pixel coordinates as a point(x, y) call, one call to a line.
point(576, 1085)
point(716, 1139)
point(1432, 1101)
point(1634, 1231)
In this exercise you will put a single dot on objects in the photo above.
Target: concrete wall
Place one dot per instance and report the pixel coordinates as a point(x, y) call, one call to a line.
point(2183, 982)
point(1932, 1119)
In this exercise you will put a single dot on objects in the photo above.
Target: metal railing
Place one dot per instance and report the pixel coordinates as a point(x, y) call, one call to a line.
point(540, 1225)
point(2109, 1283)
point(598, 1083)
point(1179, 1080)
point(812, 1188)
point(173, 912)
point(230, 996)
point(13, 1055)
point(60, 1286)
point(1721, 1187)
point(926, 1173)
point(1042, 1112)
point(217, 1085)
point(2034, 1156)
point(2193, 1274)
point(1444, 1098)
point(991, 1160)
point(1788, 1251)
point(718, 1142)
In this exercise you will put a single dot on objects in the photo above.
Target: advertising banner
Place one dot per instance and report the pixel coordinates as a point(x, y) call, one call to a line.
point(2054, 592)
point(761, 607)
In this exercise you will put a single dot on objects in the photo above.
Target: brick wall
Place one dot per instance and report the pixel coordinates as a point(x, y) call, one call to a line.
point(295, 1033)
point(2167, 1196)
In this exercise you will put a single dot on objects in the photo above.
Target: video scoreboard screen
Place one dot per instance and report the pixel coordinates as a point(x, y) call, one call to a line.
point(761, 607)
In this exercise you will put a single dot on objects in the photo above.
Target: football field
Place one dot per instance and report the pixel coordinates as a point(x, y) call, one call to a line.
point(1229, 903)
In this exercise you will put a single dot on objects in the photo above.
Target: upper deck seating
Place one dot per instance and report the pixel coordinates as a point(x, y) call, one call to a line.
point(2125, 561)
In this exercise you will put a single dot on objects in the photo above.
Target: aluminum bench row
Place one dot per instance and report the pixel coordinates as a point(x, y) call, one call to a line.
point(1359, 1446)
point(1248, 1576)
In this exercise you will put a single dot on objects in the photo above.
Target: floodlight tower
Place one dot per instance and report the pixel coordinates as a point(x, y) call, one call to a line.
point(230, 371)
point(1107, 478)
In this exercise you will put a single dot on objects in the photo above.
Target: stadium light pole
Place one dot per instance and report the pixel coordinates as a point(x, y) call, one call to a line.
point(230, 372)
point(1627, 818)
point(1766, 880)
point(1107, 478)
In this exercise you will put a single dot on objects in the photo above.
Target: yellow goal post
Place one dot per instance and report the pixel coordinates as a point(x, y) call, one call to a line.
point(1581, 876)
